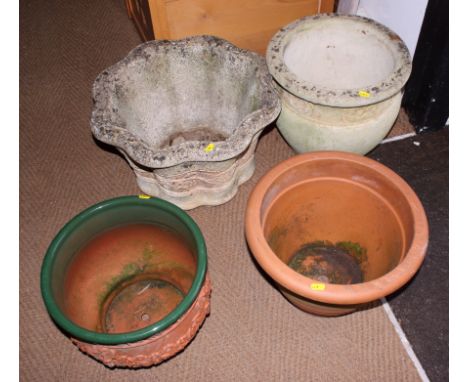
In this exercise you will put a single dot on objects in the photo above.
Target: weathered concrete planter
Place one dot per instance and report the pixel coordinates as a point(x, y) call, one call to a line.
point(340, 81)
point(187, 115)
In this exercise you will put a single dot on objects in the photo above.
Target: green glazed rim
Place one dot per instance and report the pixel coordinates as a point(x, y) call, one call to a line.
point(114, 339)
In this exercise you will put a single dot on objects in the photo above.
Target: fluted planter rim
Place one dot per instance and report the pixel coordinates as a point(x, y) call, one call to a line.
point(106, 130)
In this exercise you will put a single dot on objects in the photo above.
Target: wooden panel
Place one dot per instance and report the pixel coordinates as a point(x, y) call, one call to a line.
point(159, 18)
point(249, 24)
point(139, 11)
point(327, 6)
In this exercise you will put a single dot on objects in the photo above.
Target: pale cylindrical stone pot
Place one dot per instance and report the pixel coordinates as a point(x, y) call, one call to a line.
point(187, 115)
point(340, 79)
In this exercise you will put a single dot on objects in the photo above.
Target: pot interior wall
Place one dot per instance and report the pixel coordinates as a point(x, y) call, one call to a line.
point(339, 54)
point(190, 93)
point(336, 211)
point(122, 270)
point(352, 204)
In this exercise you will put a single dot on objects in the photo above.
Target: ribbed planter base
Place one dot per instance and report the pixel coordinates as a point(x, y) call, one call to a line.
point(196, 184)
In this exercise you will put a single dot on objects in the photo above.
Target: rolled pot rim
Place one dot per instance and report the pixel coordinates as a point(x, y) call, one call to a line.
point(353, 97)
point(306, 287)
point(191, 151)
point(90, 336)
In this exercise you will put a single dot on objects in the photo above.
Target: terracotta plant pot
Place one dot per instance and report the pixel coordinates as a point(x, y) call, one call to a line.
point(340, 81)
point(356, 216)
point(127, 279)
point(186, 115)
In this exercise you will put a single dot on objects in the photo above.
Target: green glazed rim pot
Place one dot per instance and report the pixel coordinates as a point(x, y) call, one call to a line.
point(125, 209)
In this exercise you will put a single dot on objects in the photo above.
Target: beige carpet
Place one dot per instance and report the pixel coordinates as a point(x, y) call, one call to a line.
point(253, 333)
point(402, 127)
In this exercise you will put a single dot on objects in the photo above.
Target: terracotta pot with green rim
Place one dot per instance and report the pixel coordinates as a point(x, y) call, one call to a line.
point(340, 81)
point(335, 230)
point(127, 280)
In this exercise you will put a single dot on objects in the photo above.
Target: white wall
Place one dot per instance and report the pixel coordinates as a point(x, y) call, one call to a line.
point(404, 17)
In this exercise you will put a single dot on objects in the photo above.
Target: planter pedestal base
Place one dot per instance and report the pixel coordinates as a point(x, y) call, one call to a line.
point(195, 184)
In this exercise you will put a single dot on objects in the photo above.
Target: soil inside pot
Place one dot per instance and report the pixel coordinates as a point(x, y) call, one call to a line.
point(328, 263)
point(353, 217)
point(128, 278)
point(198, 134)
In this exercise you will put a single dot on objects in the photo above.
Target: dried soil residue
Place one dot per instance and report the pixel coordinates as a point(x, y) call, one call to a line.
point(335, 264)
point(201, 134)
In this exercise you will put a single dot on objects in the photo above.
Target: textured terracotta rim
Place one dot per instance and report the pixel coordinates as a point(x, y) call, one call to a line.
point(159, 347)
point(113, 339)
point(335, 294)
point(141, 152)
point(338, 97)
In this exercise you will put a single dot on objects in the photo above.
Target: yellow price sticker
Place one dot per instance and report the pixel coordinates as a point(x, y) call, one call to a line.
point(364, 94)
point(143, 196)
point(317, 286)
point(209, 148)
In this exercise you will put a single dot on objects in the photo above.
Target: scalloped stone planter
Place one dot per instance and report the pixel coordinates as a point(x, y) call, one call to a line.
point(127, 280)
point(187, 116)
point(340, 81)
point(316, 205)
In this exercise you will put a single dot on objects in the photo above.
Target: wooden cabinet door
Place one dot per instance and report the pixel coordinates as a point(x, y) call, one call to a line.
point(249, 24)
